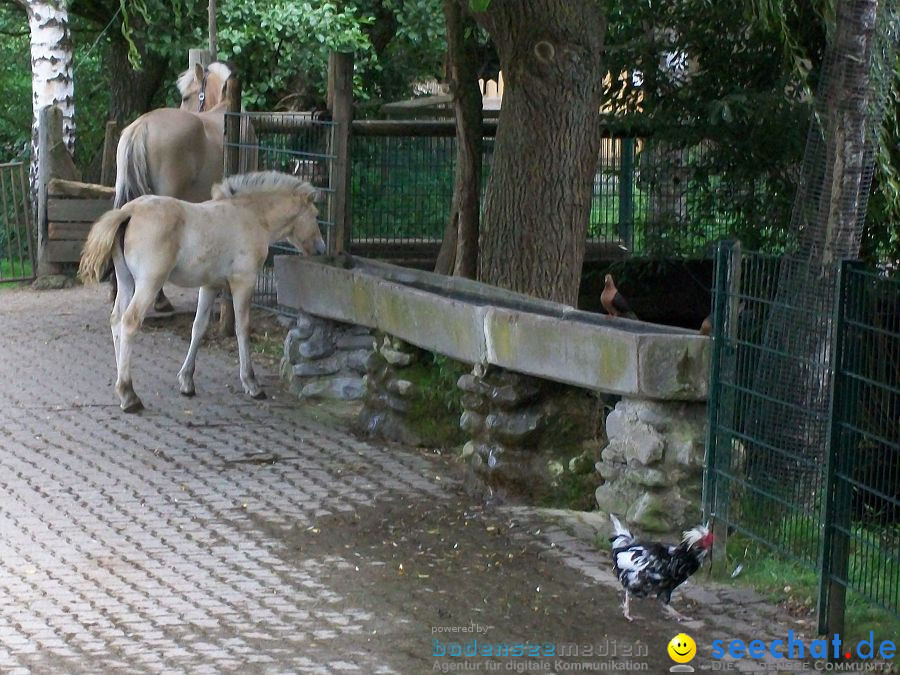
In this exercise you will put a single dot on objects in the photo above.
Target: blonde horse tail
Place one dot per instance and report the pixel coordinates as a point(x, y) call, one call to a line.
point(98, 249)
point(132, 166)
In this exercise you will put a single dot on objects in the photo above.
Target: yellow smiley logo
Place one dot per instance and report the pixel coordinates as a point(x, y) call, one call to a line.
point(682, 648)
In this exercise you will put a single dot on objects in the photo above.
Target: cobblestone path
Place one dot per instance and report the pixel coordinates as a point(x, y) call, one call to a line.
point(220, 534)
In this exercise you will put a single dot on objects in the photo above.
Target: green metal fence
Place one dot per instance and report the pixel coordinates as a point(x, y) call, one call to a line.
point(16, 228)
point(861, 549)
point(294, 143)
point(648, 198)
point(803, 454)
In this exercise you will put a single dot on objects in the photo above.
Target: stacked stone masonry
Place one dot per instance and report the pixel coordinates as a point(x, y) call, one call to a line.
point(650, 470)
point(653, 465)
point(389, 396)
point(525, 431)
point(326, 359)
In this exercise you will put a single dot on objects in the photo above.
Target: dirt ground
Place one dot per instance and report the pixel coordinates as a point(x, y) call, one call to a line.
point(470, 563)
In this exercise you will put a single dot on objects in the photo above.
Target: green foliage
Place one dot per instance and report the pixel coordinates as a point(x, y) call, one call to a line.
point(140, 21)
point(787, 581)
point(741, 99)
point(415, 53)
point(753, 69)
point(15, 83)
point(881, 238)
point(282, 47)
point(436, 408)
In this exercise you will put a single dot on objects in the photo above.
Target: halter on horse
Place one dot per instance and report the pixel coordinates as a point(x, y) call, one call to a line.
point(197, 95)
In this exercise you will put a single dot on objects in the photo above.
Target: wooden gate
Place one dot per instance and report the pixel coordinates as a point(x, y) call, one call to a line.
point(72, 207)
point(16, 228)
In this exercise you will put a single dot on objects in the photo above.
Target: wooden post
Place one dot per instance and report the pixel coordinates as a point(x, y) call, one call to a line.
point(233, 127)
point(110, 143)
point(54, 161)
point(202, 56)
point(232, 166)
point(213, 47)
point(340, 103)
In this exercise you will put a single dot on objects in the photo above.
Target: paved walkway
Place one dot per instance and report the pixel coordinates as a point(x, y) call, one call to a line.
point(220, 534)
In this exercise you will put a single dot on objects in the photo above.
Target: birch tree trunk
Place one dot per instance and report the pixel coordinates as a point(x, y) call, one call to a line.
point(52, 77)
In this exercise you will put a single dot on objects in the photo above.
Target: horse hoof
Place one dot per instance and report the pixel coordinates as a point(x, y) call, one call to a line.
point(259, 396)
point(132, 406)
point(189, 392)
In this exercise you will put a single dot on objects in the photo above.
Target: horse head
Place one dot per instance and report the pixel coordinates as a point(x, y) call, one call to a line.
point(203, 89)
point(305, 234)
point(293, 200)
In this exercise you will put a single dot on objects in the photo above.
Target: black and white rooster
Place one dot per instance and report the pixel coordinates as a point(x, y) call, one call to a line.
point(654, 568)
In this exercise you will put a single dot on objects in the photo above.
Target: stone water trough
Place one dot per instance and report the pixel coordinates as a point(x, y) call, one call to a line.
point(478, 323)
point(653, 463)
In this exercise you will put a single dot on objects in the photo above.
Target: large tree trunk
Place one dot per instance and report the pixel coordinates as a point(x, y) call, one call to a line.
point(539, 196)
point(829, 213)
point(132, 91)
point(52, 80)
point(459, 249)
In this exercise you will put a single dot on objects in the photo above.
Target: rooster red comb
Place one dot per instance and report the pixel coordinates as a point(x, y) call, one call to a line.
point(698, 536)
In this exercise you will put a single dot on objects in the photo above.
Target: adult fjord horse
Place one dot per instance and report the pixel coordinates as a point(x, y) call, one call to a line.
point(225, 240)
point(177, 152)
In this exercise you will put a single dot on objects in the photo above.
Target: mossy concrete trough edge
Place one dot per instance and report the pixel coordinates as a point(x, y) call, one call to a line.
point(554, 341)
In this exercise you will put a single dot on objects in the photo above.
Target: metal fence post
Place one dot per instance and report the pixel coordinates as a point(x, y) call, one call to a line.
point(835, 551)
point(626, 191)
point(340, 102)
point(724, 259)
point(233, 128)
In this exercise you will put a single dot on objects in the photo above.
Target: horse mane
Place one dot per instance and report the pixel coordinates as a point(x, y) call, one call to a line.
point(221, 68)
point(262, 181)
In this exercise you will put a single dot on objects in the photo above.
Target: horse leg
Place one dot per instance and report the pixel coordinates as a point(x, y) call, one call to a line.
point(123, 292)
point(240, 294)
point(129, 324)
point(204, 308)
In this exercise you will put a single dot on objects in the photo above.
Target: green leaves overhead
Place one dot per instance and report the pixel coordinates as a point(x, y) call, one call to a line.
point(282, 47)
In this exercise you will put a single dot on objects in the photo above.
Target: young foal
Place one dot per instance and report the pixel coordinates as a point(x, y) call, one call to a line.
point(225, 240)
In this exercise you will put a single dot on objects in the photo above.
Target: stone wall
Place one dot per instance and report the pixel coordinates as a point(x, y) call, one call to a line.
point(517, 420)
point(653, 465)
point(326, 359)
point(526, 432)
point(390, 397)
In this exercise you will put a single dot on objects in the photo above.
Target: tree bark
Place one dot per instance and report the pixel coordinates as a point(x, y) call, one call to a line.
point(459, 249)
point(52, 74)
point(827, 222)
point(132, 91)
point(539, 196)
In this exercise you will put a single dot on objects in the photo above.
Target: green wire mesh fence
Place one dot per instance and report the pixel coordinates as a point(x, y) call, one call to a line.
point(16, 238)
point(649, 198)
point(294, 143)
point(803, 454)
point(861, 551)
